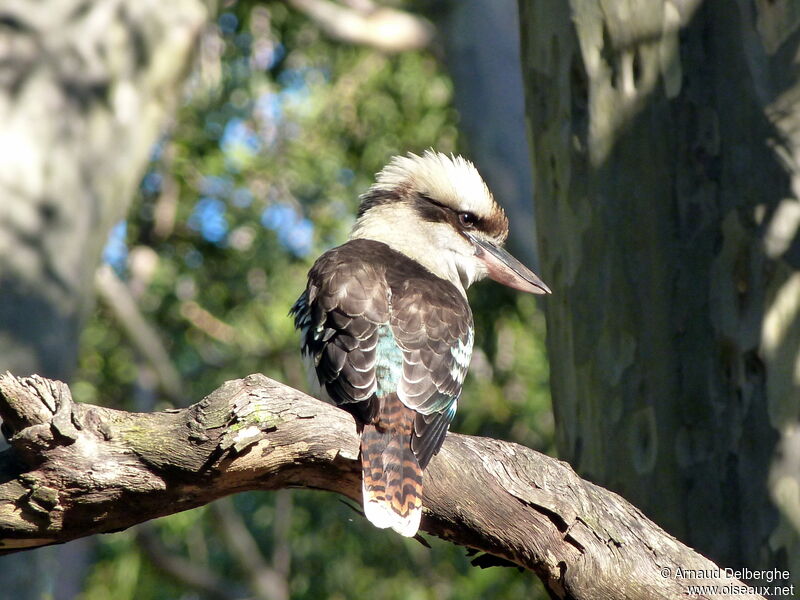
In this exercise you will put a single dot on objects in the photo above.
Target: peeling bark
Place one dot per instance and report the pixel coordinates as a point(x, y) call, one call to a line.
point(75, 469)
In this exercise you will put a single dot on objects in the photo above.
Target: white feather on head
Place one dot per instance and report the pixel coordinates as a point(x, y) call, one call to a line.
point(452, 180)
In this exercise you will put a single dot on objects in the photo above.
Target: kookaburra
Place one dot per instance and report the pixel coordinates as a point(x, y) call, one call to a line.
point(385, 321)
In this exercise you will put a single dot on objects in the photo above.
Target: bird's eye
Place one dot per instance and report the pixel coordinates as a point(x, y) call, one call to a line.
point(466, 219)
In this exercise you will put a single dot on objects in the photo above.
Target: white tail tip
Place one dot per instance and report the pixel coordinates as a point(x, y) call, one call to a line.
point(382, 516)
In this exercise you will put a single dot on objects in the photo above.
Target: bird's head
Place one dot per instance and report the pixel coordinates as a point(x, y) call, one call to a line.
point(437, 210)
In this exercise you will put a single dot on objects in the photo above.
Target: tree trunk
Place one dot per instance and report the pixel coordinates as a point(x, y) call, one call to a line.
point(665, 146)
point(490, 100)
point(84, 91)
point(77, 469)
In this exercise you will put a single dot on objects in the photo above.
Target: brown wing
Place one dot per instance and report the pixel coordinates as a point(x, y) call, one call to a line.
point(432, 324)
point(339, 315)
point(376, 322)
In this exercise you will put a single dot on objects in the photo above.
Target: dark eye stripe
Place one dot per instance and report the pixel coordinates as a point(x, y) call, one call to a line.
point(472, 220)
point(495, 225)
point(430, 210)
point(434, 202)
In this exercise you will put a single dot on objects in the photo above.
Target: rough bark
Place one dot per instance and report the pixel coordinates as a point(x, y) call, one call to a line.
point(665, 146)
point(75, 470)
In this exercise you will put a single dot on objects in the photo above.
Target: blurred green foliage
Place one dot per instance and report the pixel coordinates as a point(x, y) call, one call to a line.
point(280, 132)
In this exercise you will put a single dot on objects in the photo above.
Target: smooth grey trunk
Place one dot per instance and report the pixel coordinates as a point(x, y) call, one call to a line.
point(665, 145)
point(84, 91)
point(481, 43)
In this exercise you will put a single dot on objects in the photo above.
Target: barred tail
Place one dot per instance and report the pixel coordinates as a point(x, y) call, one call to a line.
point(391, 475)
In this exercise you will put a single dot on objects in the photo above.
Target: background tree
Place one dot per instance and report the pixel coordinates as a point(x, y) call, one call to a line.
point(488, 94)
point(84, 90)
point(665, 164)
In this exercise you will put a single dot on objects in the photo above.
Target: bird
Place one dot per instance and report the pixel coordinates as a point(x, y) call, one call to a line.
point(385, 324)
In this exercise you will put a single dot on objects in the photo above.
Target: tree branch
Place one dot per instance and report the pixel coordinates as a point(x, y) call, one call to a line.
point(76, 469)
point(380, 27)
point(142, 334)
point(185, 571)
point(266, 582)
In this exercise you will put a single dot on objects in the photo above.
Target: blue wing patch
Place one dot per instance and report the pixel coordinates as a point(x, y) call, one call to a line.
point(389, 362)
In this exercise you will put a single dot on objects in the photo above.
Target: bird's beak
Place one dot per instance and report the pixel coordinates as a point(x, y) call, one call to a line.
point(506, 269)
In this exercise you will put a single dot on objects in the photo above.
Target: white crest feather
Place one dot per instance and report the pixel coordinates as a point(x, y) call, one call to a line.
point(451, 180)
